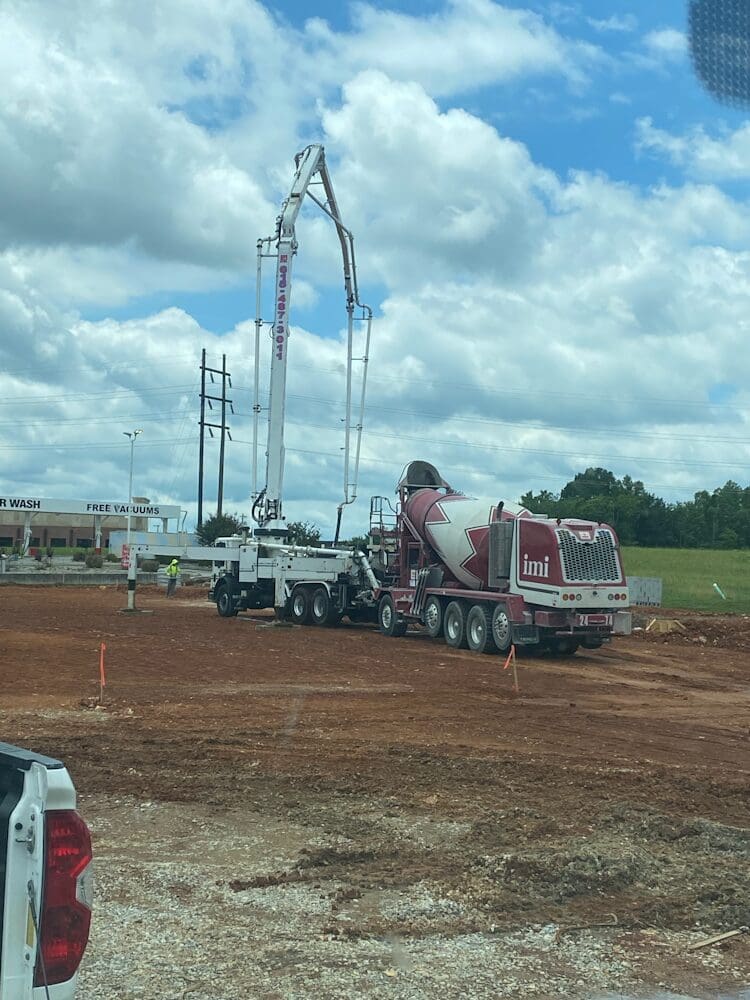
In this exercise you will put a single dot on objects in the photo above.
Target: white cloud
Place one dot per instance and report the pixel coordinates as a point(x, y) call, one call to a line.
point(468, 44)
point(723, 158)
point(666, 44)
point(465, 188)
point(616, 22)
point(94, 158)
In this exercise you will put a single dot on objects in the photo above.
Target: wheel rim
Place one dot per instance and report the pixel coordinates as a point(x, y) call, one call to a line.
point(319, 605)
point(298, 605)
point(223, 601)
point(500, 628)
point(432, 616)
point(476, 632)
point(386, 616)
point(452, 626)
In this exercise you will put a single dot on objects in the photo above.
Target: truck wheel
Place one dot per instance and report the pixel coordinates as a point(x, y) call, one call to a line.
point(592, 643)
point(502, 633)
point(433, 617)
point(564, 647)
point(479, 630)
point(390, 623)
point(454, 625)
point(322, 609)
point(224, 601)
point(299, 606)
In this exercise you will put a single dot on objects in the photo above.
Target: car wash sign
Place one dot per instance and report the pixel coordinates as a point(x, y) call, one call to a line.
point(100, 508)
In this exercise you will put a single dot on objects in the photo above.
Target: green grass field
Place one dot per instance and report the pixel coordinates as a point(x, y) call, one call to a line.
point(688, 576)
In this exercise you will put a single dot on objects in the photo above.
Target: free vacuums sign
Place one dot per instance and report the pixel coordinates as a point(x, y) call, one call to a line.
point(40, 505)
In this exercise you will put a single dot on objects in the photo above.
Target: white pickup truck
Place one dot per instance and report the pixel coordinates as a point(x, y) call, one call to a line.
point(45, 878)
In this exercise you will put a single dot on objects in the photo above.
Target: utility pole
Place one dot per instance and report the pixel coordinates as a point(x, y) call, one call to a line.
point(224, 376)
point(202, 436)
point(226, 382)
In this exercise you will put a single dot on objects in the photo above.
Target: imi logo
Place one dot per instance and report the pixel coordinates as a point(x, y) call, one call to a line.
point(536, 567)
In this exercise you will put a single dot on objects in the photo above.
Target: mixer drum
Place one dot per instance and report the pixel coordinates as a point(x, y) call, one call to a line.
point(457, 528)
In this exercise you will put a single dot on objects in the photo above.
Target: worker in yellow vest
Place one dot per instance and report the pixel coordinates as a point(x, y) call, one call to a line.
point(173, 571)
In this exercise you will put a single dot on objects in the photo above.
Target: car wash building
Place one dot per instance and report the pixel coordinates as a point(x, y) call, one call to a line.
point(36, 522)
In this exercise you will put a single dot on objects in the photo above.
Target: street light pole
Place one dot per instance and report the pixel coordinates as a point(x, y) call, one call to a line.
point(132, 435)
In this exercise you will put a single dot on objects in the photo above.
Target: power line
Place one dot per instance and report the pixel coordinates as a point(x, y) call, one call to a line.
point(93, 369)
point(525, 425)
point(464, 445)
point(83, 396)
point(88, 446)
point(119, 418)
point(472, 469)
point(535, 451)
point(178, 463)
point(519, 425)
point(525, 391)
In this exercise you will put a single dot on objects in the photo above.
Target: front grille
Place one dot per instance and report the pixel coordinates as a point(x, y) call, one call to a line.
point(589, 562)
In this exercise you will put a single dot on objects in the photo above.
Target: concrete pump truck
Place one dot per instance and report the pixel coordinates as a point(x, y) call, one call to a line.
point(310, 585)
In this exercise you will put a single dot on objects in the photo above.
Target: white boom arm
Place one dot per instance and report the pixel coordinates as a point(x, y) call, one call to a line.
point(267, 507)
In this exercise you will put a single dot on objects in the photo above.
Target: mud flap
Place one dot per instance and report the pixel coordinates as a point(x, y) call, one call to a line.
point(525, 635)
point(623, 623)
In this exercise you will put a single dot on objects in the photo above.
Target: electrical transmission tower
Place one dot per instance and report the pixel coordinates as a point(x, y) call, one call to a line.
point(223, 428)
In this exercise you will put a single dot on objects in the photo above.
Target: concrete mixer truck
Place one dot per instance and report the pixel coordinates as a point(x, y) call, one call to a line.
point(485, 575)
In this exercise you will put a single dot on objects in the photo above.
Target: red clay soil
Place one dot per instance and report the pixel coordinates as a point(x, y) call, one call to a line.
point(636, 756)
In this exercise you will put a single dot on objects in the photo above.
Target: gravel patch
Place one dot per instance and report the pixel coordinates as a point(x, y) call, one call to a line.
point(188, 907)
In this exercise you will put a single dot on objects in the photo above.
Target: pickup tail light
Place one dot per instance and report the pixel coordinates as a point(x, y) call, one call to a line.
point(65, 916)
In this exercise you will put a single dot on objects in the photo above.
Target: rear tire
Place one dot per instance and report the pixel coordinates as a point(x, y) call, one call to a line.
point(479, 630)
point(322, 609)
point(299, 606)
point(502, 633)
point(433, 617)
point(390, 623)
point(225, 601)
point(454, 625)
point(564, 647)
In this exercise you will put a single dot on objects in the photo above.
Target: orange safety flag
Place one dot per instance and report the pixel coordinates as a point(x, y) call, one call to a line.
point(102, 675)
point(511, 658)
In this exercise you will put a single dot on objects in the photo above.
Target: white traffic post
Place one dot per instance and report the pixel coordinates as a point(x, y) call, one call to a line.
point(132, 573)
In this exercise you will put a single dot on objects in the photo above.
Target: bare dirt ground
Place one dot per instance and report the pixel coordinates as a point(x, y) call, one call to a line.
point(283, 812)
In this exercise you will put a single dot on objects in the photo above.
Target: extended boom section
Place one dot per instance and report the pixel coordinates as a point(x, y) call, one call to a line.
point(282, 248)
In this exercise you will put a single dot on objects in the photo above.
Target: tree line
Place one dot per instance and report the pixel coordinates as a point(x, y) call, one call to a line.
point(716, 520)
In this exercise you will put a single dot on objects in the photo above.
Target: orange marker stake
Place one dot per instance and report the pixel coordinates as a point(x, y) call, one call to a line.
point(512, 660)
point(102, 674)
